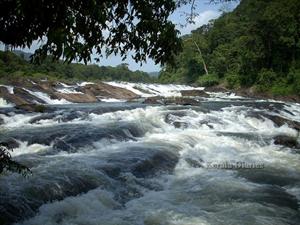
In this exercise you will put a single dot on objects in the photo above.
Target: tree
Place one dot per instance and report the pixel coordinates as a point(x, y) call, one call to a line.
point(6, 163)
point(74, 29)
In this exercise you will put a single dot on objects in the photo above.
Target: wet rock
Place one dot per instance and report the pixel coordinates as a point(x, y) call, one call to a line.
point(194, 163)
point(10, 143)
point(32, 108)
point(286, 141)
point(142, 90)
point(279, 121)
point(61, 145)
point(171, 119)
point(155, 100)
point(112, 171)
point(178, 124)
point(198, 93)
point(171, 101)
point(76, 97)
point(1, 121)
point(270, 176)
point(158, 162)
point(25, 95)
point(107, 91)
point(181, 101)
point(42, 117)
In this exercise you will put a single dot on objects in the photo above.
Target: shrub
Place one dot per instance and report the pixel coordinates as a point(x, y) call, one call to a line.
point(208, 80)
point(6, 163)
point(266, 79)
point(232, 80)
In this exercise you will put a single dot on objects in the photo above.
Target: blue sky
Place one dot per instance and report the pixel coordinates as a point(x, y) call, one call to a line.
point(205, 12)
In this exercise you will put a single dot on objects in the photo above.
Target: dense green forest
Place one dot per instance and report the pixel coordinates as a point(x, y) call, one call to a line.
point(256, 45)
point(13, 66)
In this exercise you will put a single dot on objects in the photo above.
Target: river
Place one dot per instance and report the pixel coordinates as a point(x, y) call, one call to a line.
point(128, 163)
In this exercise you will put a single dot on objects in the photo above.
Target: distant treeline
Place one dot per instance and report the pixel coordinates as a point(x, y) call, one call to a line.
point(14, 66)
point(256, 45)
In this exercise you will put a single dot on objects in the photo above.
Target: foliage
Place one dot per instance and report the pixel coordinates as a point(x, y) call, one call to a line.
point(75, 29)
point(6, 163)
point(232, 80)
point(13, 67)
point(208, 80)
point(257, 44)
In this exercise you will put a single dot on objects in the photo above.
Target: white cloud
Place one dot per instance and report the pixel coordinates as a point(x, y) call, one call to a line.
point(201, 19)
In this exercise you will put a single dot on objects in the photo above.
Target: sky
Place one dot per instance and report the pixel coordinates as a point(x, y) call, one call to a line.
point(204, 11)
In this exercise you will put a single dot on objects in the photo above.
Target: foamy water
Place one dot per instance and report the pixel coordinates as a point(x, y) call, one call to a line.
point(128, 163)
point(150, 90)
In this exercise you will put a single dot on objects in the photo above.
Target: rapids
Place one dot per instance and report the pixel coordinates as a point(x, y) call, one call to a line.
point(127, 163)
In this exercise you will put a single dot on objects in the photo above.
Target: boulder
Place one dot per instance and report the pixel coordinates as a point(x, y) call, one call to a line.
point(279, 121)
point(286, 141)
point(181, 101)
point(76, 97)
point(10, 143)
point(198, 93)
point(103, 90)
point(155, 100)
point(170, 101)
point(32, 107)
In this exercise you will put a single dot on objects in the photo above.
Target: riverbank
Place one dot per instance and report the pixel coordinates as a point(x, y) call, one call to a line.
point(252, 92)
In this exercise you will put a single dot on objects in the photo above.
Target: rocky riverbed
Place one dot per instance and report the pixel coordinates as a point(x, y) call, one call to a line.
point(148, 154)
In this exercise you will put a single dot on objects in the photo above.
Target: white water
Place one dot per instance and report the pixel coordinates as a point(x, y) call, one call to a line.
point(68, 89)
point(47, 99)
point(186, 195)
point(4, 103)
point(190, 196)
point(149, 90)
point(9, 88)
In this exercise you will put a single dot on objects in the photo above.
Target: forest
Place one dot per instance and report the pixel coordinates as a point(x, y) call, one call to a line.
point(256, 45)
point(13, 66)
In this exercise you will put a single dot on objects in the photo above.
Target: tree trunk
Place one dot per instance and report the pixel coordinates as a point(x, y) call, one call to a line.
point(204, 64)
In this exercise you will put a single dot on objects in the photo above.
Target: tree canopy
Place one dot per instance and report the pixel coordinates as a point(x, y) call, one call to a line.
point(75, 29)
point(257, 44)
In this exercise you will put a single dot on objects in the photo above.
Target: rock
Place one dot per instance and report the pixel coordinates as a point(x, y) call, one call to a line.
point(1, 121)
point(10, 143)
point(280, 121)
point(32, 107)
point(154, 100)
point(77, 98)
point(194, 163)
point(158, 162)
point(286, 141)
point(198, 93)
point(181, 101)
point(37, 119)
point(103, 90)
point(215, 89)
point(170, 101)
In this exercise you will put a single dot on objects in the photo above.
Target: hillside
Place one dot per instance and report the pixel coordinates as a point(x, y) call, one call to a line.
point(14, 66)
point(257, 45)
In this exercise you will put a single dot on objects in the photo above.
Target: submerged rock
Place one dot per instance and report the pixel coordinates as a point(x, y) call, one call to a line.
point(194, 163)
point(171, 101)
point(158, 162)
point(286, 141)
